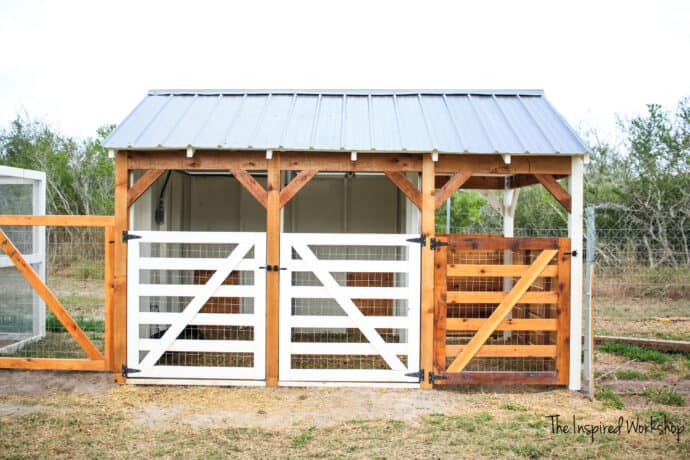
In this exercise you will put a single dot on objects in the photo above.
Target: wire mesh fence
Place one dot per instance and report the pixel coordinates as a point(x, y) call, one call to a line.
point(74, 272)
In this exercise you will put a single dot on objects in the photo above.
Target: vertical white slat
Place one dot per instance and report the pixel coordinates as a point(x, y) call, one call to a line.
point(259, 307)
point(413, 304)
point(133, 255)
point(285, 310)
point(575, 187)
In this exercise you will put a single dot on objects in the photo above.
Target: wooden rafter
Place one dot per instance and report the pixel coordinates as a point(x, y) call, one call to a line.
point(406, 186)
point(555, 189)
point(252, 185)
point(450, 187)
point(470, 350)
point(142, 185)
point(49, 298)
point(295, 185)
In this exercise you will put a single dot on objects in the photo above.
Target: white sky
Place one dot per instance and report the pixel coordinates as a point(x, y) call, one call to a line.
point(82, 64)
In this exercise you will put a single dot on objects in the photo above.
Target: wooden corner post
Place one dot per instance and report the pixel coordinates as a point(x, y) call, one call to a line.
point(272, 277)
point(427, 302)
point(119, 317)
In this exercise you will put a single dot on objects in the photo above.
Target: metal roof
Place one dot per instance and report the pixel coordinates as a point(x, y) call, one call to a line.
point(447, 121)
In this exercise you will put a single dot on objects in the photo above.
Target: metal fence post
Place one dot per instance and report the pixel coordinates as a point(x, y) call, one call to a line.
point(590, 253)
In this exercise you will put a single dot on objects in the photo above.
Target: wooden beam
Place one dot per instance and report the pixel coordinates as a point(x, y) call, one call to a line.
point(273, 277)
point(511, 324)
point(427, 302)
point(121, 224)
point(50, 364)
point(563, 331)
point(450, 187)
point(515, 295)
point(57, 221)
point(142, 185)
point(406, 186)
point(497, 242)
point(342, 162)
point(440, 307)
point(493, 164)
point(208, 160)
point(296, 185)
point(474, 297)
point(555, 189)
point(496, 270)
point(525, 180)
point(507, 351)
point(252, 185)
point(108, 300)
point(49, 298)
point(500, 378)
point(476, 182)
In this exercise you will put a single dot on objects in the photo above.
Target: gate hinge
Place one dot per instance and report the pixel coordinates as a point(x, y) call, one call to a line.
point(272, 268)
point(437, 243)
point(433, 378)
point(126, 236)
point(419, 375)
point(128, 370)
point(572, 253)
point(421, 240)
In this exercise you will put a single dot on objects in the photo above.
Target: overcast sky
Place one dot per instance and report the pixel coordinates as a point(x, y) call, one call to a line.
point(82, 64)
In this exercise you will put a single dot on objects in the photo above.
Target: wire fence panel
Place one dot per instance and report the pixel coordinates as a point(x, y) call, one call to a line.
point(75, 268)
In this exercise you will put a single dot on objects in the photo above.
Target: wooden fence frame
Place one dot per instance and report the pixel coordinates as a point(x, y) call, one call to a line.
point(96, 360)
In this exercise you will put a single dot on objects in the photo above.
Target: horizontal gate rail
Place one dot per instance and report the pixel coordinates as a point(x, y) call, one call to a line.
point(482, 292)
point(95, 359)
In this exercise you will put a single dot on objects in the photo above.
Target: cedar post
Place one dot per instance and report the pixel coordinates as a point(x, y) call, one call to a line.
point(427, 302)
point(119, 319)
point(272, 277)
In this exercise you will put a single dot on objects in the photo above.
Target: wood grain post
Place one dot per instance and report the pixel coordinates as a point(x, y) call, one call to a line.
point(427, 302)
point(119, 320)
point(563, 329)
point(109, 252)
point(272, 277)
point(440, 309)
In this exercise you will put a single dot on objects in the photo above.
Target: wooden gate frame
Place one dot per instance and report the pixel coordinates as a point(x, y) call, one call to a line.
point(96, 360)
point(550, 247)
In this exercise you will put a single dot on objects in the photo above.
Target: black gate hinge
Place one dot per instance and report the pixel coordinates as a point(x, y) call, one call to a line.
point(421, 240)
point(572, 253)
point(433, 378)
point(126, 236)
point(419, 375)
point(437, 243)
point(128, 370)
point(272, 268)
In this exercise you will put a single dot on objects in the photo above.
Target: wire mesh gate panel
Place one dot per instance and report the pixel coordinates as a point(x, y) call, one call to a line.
point(349, 308)
point(502, 311)
point(196, 305)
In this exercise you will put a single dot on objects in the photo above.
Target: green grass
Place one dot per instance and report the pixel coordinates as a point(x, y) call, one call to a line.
point(636, 352)
point(514, 406)
point(631, 374)
point(86, 324)
point(303, 438)
point(609, 397)
point(665, 395)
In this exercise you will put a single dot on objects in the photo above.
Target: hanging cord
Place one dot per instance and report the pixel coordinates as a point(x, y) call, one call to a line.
point(159, 215)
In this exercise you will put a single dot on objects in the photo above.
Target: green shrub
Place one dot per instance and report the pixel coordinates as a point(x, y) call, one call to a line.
point(665, 395)
point(86, 269)
point(636, 352)
point(630, 374)
point(609, 397)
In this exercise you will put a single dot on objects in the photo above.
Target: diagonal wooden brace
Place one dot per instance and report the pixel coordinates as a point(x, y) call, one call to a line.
point(49, 298)
point(532, 273)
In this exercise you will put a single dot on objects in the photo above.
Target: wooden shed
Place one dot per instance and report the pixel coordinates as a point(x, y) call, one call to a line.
point(286, 237)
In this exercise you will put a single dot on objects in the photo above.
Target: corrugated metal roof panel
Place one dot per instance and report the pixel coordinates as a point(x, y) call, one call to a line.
point(447, 121)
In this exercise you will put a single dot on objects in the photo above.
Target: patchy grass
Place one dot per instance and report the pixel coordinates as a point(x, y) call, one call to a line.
point(514, 406)
point(665, 395)
point(630, 374)
point(636, 352)
point(609, 397)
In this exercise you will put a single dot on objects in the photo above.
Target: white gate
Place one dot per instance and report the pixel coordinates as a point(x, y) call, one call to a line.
point(349, 308)
point(196, 305)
